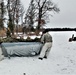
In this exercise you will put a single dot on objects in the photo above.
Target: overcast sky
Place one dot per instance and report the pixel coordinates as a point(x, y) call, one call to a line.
point(67, 15)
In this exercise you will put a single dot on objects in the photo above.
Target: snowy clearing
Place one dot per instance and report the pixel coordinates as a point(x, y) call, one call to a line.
point(61, 61)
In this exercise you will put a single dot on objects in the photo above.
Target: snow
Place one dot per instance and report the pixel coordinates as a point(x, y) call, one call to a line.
point(61, 61)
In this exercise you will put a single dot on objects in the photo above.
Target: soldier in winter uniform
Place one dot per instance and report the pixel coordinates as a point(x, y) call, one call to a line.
point(46, 39)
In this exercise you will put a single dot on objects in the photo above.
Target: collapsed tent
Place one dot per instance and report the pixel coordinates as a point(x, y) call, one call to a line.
point(21, 49)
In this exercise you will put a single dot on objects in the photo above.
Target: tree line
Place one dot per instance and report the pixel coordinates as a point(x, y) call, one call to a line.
point(61, 29)
point(12, 14)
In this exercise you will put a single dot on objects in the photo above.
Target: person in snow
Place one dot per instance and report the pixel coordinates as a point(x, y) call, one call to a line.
point(46, 39)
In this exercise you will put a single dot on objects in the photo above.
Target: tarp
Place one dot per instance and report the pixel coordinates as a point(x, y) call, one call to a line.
point(21, 48)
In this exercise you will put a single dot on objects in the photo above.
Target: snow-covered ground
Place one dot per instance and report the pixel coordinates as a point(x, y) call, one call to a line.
point(61, 61)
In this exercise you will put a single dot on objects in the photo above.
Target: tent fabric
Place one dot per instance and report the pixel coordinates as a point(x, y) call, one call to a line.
point(21, 48)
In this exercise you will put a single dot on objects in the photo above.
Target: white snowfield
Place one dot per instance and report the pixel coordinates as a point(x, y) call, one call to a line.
point(61, 61)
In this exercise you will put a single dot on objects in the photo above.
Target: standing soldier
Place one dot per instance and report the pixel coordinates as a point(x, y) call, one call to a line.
point(46, 39)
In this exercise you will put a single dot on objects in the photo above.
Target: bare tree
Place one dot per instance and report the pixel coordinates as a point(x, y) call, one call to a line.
point(10, 21)
point(22, 12)
point(19, 13)
point(30, 15)
point(43, 7)
point(14, 8)
point(2, 12)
